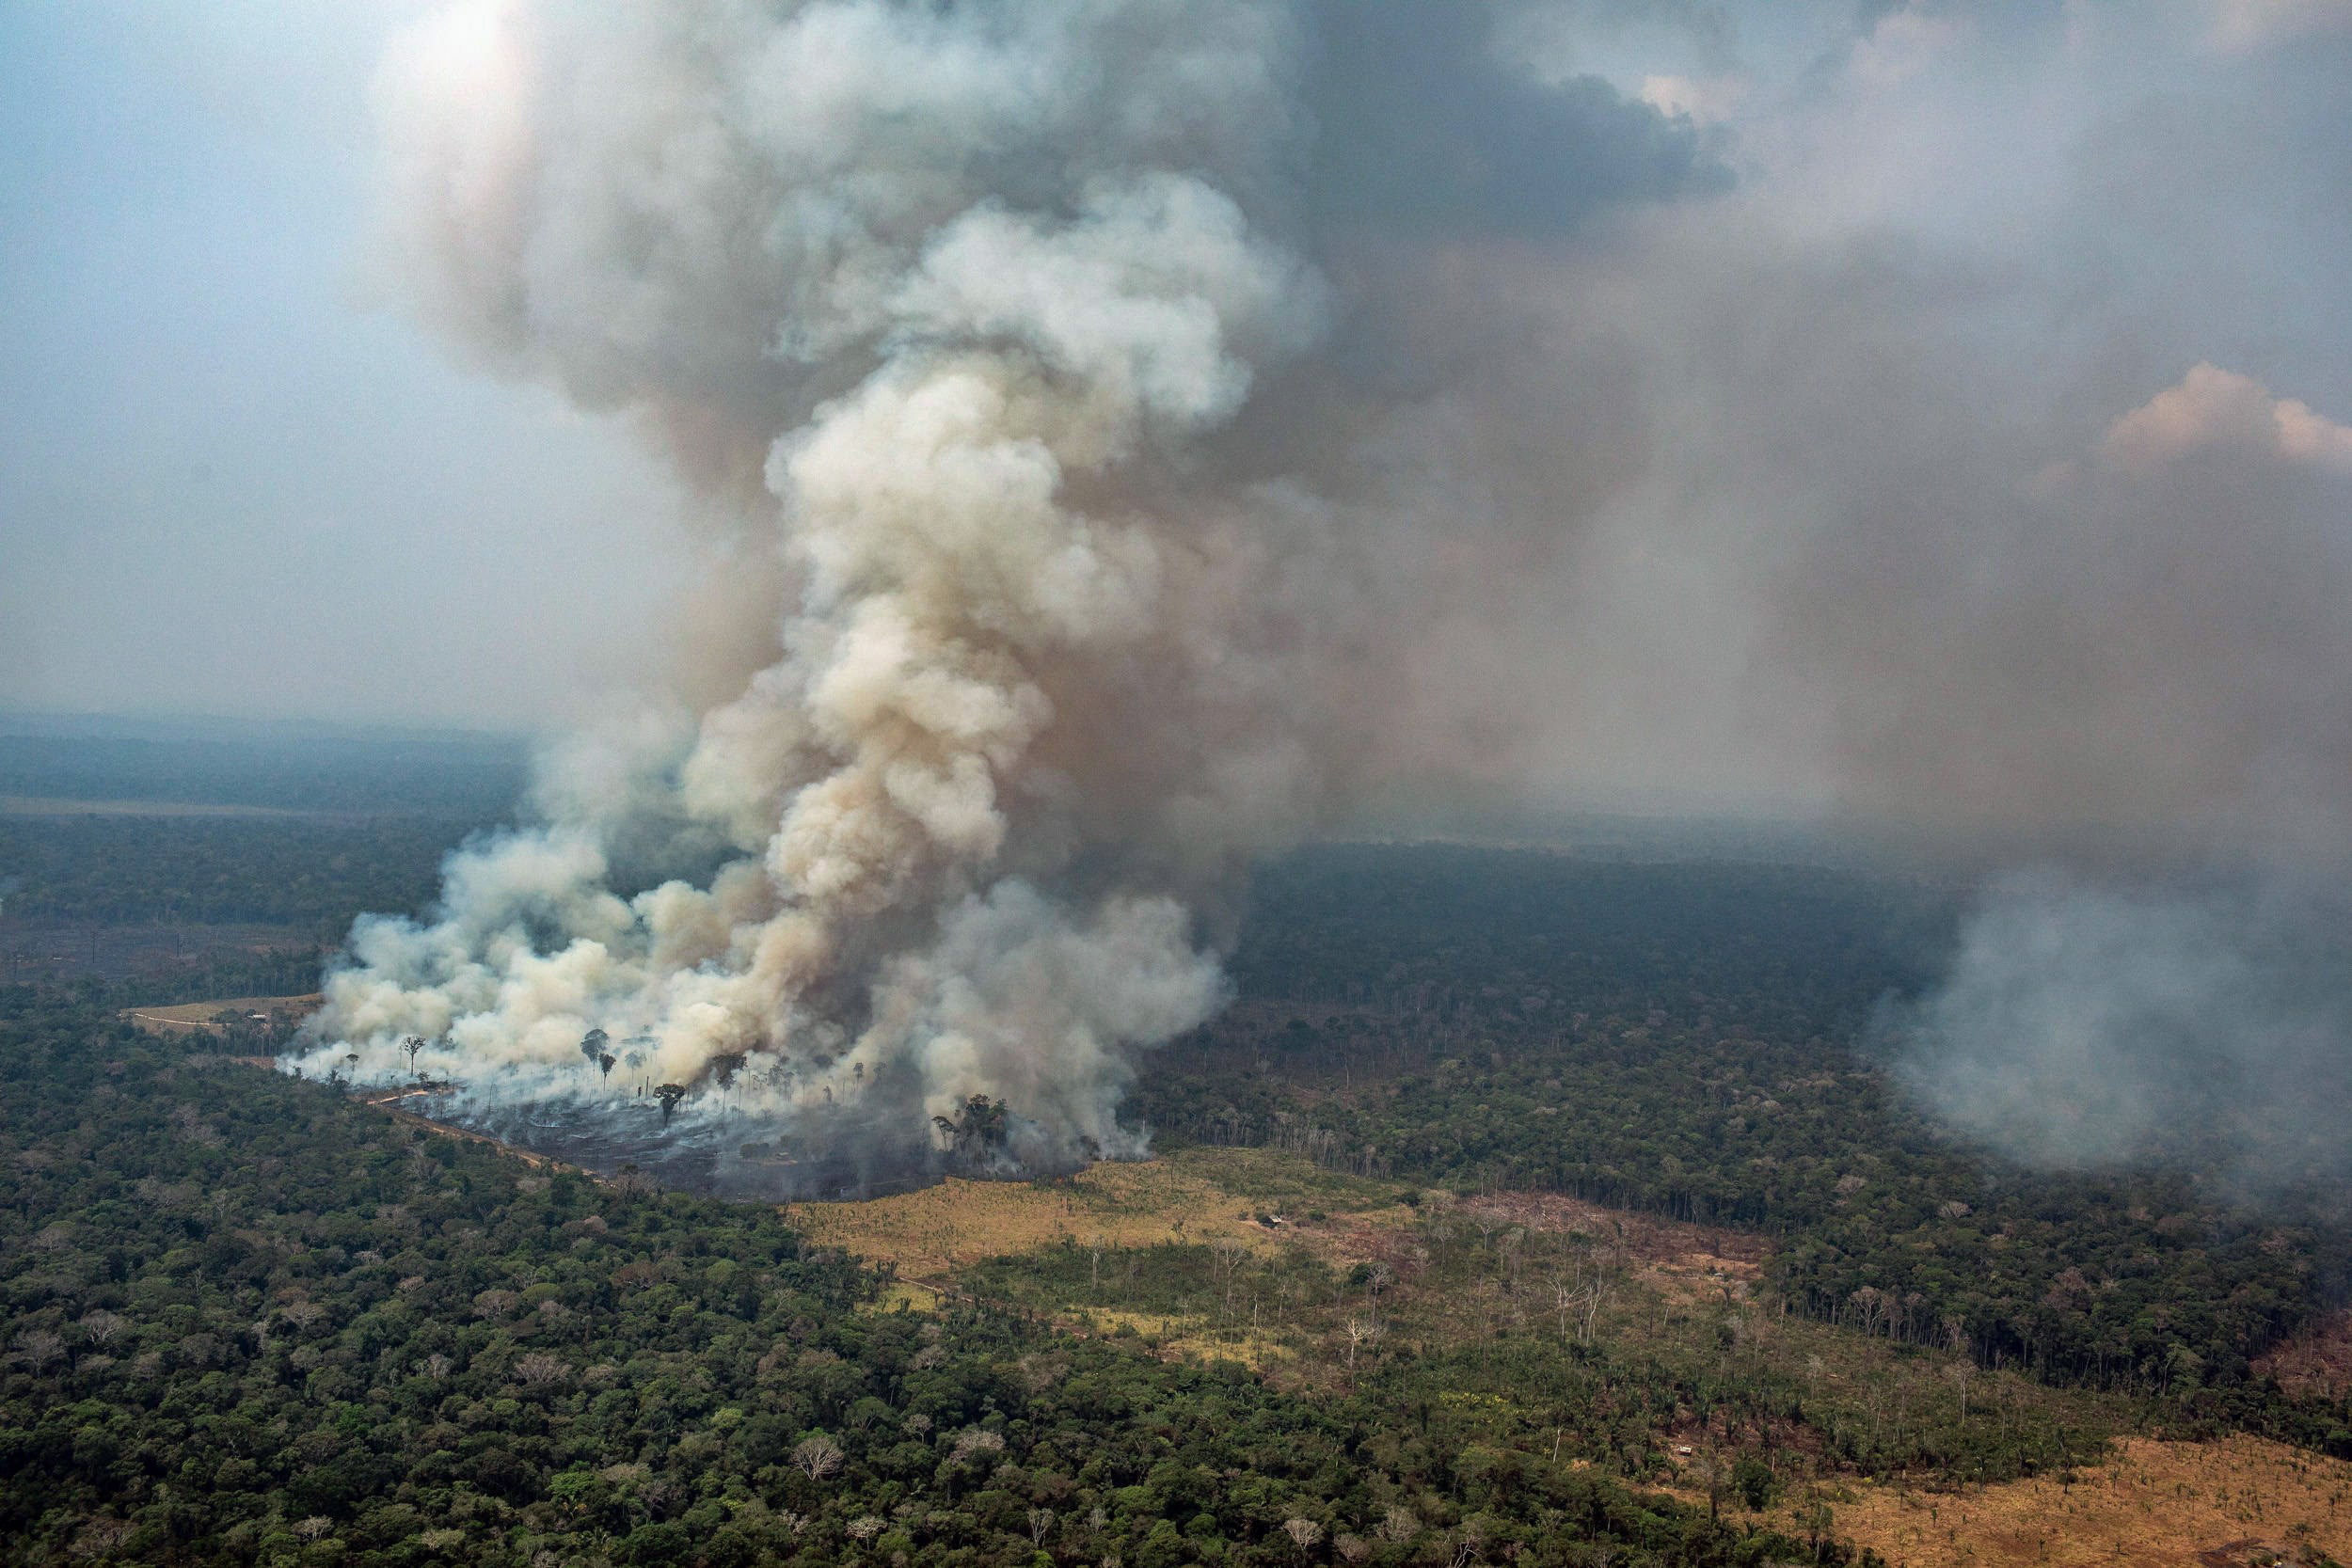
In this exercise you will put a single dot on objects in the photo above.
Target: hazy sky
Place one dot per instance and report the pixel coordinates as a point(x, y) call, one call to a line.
point(1951, 390)
point(229, 483)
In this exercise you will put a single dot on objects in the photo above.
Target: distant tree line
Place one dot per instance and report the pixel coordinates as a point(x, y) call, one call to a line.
point(478, 778)
point(314, 874)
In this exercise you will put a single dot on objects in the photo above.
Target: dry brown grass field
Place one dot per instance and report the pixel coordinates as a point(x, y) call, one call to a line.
point(2236, 1501)
point(1198, 1196)
point(2229, 1504)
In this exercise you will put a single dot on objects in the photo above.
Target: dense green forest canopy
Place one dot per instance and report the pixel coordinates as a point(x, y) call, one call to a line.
point(250, 1320)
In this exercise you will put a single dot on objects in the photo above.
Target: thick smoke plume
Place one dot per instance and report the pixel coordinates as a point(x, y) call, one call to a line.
point(1036, 631)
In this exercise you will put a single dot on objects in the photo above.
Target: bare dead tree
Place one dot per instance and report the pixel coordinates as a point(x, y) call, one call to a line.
point(1225, 1257)
point(1961, 1373)
point(1708, 1469)
point(816, 1456)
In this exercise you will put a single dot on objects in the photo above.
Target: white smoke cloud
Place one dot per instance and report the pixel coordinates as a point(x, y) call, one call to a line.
point(932, 273)
point(950, 306)
point(1705, 99)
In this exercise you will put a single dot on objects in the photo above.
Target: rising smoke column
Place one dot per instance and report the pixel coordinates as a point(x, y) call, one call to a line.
point(1079, 519)
point(962, 286)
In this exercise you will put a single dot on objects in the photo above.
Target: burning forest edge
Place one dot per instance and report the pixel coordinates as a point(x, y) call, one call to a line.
point(700, 1140)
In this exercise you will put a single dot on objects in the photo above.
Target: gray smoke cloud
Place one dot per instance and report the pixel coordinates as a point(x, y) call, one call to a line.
point(963, 316)
point(2070, 595)
point(2005, 513)
point(2085, 1024)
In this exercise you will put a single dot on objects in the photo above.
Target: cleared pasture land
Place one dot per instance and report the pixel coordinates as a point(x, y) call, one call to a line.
point(191, 1016)
point(2199, 1505)
point(1197, 1196)
point(2237, 1500)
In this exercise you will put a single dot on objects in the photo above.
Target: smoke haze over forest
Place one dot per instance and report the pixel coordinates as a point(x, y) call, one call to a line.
point(970, 480)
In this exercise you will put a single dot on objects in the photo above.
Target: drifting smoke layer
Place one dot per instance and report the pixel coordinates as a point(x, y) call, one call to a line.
point(950, 303)
point(2082, 1025)
point(2088, 1018)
